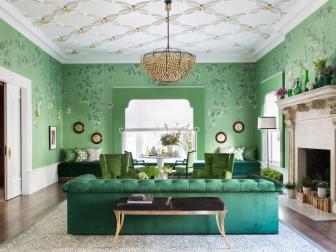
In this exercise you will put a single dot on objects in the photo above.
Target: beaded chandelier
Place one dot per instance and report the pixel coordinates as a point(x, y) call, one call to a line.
point(168, 64)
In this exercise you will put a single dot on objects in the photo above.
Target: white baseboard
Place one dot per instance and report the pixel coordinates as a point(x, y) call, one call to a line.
point(42, 177)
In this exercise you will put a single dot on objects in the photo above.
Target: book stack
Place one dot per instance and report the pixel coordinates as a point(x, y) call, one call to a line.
point(140, 199)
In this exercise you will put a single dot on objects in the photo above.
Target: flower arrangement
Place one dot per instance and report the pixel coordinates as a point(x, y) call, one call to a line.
point(281, 92)
point(151, 171)
point(142, 175)
point(321, 63)
point(327, 70)
point(170, 138)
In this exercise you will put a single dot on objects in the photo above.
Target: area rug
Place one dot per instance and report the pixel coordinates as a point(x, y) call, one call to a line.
point(49, 234)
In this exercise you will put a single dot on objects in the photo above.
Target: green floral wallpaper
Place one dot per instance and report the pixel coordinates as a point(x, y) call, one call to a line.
point(19, 55)
point(84, 92)
point(313, 38)
point(230, 95)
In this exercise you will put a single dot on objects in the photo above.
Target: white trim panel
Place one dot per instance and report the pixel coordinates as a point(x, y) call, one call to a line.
point(42, 177)
point(26, 120)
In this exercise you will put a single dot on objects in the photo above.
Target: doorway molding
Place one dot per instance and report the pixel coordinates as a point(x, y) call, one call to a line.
point(25, 85)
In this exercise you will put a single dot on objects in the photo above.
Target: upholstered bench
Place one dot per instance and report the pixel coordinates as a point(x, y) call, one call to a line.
point(252, 205)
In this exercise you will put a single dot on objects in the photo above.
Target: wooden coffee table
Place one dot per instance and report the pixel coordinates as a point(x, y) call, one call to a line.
point(173, 206)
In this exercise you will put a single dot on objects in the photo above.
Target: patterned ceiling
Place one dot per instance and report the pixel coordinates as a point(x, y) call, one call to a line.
point(112, 28)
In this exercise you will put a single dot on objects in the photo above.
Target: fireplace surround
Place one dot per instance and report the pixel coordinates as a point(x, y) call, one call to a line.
point(310, 120)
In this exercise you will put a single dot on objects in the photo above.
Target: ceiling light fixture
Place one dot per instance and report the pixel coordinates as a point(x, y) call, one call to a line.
point(168, 64)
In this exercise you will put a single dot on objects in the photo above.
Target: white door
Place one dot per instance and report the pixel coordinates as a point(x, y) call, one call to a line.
point(12, 142)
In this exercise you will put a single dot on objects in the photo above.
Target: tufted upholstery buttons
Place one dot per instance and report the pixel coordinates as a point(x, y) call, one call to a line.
point(89, 183)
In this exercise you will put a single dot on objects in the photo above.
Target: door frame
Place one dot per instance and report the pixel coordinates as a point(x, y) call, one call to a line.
point(25, 84)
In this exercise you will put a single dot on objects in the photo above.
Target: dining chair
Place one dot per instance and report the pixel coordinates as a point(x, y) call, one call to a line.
point(134, 163)
point(186, 166)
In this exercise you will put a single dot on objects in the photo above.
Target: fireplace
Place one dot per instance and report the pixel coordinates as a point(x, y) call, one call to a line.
point(314, 164)
point(310, 120)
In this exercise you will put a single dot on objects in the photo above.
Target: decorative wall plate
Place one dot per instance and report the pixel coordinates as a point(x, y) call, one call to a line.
point(221, 137)
point(96, 138)
point(238, 127)
point(78, 127)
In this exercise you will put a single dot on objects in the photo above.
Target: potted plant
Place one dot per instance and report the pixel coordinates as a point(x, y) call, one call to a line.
point(306, 185)
point(327, 73)
point(290, 187)
point(151, 171)
point(322, 188)
point(281, 92)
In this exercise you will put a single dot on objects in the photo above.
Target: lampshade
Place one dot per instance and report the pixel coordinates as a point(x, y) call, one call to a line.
point(267, 122)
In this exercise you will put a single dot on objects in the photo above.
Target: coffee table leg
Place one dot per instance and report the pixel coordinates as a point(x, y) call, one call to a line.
point(118, 227)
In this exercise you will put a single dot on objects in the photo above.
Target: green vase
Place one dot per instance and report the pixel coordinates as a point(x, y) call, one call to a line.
point(290, 92)
point(306, 81)
point(298, 89)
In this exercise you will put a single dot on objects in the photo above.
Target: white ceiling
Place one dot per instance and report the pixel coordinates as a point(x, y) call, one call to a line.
point(123, 30)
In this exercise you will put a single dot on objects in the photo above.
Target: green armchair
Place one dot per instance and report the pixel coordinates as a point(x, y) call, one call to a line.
point(114, 165)
point(217, 166)
point(185, 167)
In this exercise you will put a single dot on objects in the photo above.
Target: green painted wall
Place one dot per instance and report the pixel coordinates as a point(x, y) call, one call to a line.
point(313, 38)
point(230, 95)
point(21, 56)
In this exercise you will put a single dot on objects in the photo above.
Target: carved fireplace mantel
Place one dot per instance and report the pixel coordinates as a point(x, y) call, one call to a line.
point(310, 119)
point(315, 99)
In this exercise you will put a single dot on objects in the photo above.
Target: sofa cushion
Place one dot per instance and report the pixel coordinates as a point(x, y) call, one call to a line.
point(250, 154)
point(81, 155)
point(68, 155)
point(238, 152)
point(93, 154)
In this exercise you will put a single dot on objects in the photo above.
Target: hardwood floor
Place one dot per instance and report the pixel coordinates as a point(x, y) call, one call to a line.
point(18, 214)
point(321, 232)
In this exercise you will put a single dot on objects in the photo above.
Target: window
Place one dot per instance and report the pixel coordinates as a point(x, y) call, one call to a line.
point(147, 120)
point(271, 109)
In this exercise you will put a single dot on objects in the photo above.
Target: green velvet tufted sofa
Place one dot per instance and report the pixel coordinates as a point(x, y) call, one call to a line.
point(252, 205)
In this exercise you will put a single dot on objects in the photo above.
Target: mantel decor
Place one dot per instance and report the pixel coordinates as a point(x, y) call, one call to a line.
point(168, 64)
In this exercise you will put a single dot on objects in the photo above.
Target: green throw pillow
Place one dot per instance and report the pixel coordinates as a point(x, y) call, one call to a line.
point(250, 153)
point(68, 155)
point(238, 153)
point(81, 155)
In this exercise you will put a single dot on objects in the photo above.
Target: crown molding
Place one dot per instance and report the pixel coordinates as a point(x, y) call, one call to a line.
point(302, 10)
point(15, 19)
point(224, 58)
point(298, 13)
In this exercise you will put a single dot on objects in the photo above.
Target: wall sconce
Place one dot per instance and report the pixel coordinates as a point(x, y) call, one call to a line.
point(59, 114)
point(38, 108)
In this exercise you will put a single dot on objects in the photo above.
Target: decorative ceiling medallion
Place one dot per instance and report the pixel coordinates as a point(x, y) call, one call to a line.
point(169, 64)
